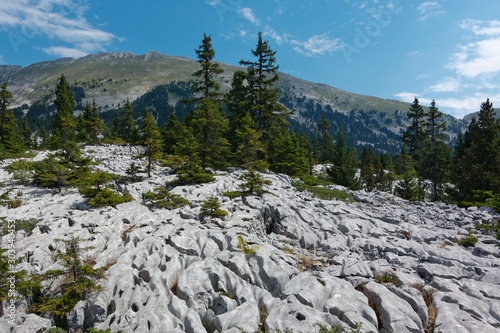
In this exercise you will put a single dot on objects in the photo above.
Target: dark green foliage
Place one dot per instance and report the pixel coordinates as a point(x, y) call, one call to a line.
point(209, 125)
point(21, 170)
point(324, 140)
point(19, 224)
point(321, 192)
point(250, 148)
point(262, 93)
point(343, 171)
point(211, 207)
point(387, 277)
point(254, 183)
point(494, 201)
point(408, 187)
point(10, 140)
point(191, 173)
point(51, 173)
point(286, 155)
point(64, 132)
point(107, 197)
point(476, 155)
point(415, 135)
point(162, 198)
point(132, 172)
point(469, 241)
point(90, 184)
point(127, 130)
point(207, 84)
point(171, 133)
point(81, 279)
point(92, 125)
point(107, 330)
point(151, 139)
point(26, 134)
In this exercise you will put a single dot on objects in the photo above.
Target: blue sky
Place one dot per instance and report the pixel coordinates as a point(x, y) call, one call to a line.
point(447, 50)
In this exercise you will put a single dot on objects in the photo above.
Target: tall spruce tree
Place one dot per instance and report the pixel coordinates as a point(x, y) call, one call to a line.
point(171, 133)
point(238, 105)
point(324, 140)
point(415, 135)
point(64, 133)
point(436, 155)
point(250, 148)
point(93, 125)
point(9, 133)
point(367, 169)
point(262, 77)
point(207, 87)
point(286, 154)
point(127, 127)
point(476, 157)
point(209, 125)
point(151, 139)
point(343, 170)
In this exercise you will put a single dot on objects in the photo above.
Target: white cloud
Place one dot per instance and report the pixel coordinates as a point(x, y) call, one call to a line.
point(62, 21)
point(423, 76)
point(318, 45)
point(429, 9)
point(63, 52)
point(489, 28)
point(249, 15)
point(477, 58)
point(449, 84)
point(280, 39)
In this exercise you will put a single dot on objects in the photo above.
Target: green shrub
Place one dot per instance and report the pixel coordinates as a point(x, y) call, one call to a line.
point(20, 224)
point(191, 173)
point(232, 194)
point(108, 197)
point(322, 192)
point(21, 170)
point(5, 200)
point(107, 330)
point(211, 207)
point(132, 172)
point(387, 277)
point(254, 183)
point(162, 198)
point(494, 201)
point(468, 241)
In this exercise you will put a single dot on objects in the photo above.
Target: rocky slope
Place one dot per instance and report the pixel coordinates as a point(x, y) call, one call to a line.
point(316, 261)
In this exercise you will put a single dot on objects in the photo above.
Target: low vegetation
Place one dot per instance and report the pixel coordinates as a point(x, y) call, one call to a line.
point(163, 198)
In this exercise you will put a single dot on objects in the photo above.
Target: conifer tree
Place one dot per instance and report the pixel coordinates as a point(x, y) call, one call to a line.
point(209, 126)
point(476, 156)
point(262, 77)
point(250, 147)
point(128, 130)
point(407, 188)
point(415, 135)
point(367, 169)
point(26, 134)
point(238, 105)
point(286, 155)
point(343, 171)
point(92, 123)
point(436, 155)
point(324, 140)
point(9, 133)
point(151, 139)
point(207, 83)
point(64, 133)
point(171, 133)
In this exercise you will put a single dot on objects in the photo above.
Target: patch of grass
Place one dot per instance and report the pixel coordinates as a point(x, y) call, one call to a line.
point(20, 224)
point(387, 277)
point(322, 192)
point(468, 241)
point(306, 263)
point(228, 295)
point(288, 250)
point(233, 194)
point(245, 248)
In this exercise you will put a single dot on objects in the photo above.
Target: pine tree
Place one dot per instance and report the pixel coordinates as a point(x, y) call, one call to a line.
point(207, 83)
point(92, 123)
point(209, 126)
point(415, 135)
point(250, 147)
point(262, 77)
point(128, 130)
point(436, 155)
point(476, 157)
point(64, 133)
point(324, 140)
point(238, 105)
point(407, 188)
point(171, 133)
point(343, 171)
point(9, 133)
point(26, 134)
point(286, 155)
point(151, 139)
point(367, 169)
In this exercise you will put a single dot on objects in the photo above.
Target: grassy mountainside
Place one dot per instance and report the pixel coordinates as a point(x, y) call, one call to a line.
point(112, 78)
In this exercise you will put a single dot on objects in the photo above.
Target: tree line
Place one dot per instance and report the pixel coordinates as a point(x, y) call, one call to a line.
point(248, 127)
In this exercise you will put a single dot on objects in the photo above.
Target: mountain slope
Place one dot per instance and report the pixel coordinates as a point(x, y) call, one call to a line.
point(112, 78)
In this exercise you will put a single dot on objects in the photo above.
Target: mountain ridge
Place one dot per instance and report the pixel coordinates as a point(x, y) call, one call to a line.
point(112, 78)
